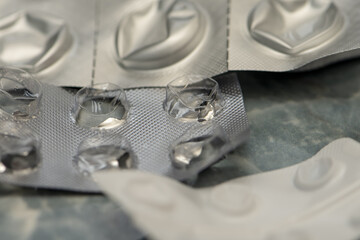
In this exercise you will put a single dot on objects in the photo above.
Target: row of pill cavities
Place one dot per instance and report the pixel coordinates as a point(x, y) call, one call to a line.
point(191, 98)
point(45, 38)
point(163, 50)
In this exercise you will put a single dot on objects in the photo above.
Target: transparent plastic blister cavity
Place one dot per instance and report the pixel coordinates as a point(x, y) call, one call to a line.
point(47, 39)
point(199, 147)
point(150, 42)
point(193, 98)
point(73, 149)
point(20, 94)
point(284, 35)
point(296, 202)
point(19, 150)
point(104, 152)
point(102, 106)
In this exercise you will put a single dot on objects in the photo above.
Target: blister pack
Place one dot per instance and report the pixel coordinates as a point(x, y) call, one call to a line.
point(52, 39)
point(291, 203)
point(128, 43)
point(146, 43)
point(278, 35)
point(175, 131)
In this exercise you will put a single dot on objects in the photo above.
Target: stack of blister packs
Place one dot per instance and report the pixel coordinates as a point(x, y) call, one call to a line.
point(90, 87)
point(147, 99)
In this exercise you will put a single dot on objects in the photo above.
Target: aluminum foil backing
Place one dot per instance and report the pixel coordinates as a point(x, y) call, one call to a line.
point(281, 36)
point(52, 39)
point(147, 43)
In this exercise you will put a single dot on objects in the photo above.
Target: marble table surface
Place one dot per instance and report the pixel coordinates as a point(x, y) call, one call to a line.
point(292, 116)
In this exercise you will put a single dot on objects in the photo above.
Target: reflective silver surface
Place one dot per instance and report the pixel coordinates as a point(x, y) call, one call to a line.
point(292, 27)
point(148, 43)
point(158, 33)
point(33, 40)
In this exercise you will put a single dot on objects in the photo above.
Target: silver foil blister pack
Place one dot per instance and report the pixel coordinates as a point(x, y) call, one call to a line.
point(157, 133)
point(129, 43)
point(110, 46)
point(52, 39)
point(283, 35)
point(146, 43)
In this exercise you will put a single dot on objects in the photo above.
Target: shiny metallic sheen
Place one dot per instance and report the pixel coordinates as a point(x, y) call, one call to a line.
point(158, 33)
point(33, 40)
point(292, 27)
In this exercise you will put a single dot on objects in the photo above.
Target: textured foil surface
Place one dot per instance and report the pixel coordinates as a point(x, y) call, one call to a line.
point(149, 130)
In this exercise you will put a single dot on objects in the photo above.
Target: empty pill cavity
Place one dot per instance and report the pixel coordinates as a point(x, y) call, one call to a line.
point(20, 93)
point(197, 146)
point(295, 26)
point(19, 150)
point(158, 33)
point(102, 106)
point(193, 98)
point(104, 152)
point(33, 40)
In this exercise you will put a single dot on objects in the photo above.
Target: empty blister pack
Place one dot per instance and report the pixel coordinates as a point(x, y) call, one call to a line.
point(148, 42)
point(283, 35)
point(103, 127)
point(290, 203)
point(52, 39)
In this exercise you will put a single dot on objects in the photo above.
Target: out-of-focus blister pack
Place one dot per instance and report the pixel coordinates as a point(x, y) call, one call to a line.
point(298, 202)
point(277, 35)
point(146, 43)
point(107, 46)
point(129, 43)
point(52, 39)
point(170, 131)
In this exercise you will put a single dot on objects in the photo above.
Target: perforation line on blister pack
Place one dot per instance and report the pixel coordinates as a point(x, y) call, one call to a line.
point(97, 13)
point(228, 33)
